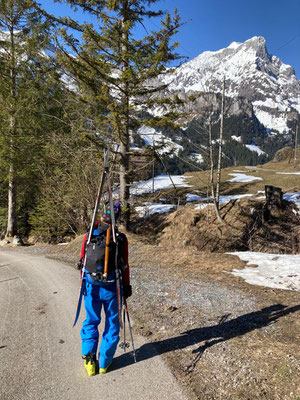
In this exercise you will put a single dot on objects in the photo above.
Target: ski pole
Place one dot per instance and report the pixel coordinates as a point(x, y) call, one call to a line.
point(124, 329)
point(130, 330)
point(124, 345)
point(113, 225)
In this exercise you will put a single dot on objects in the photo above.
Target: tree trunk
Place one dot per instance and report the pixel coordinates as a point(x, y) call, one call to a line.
point(124, 184)
point(220, 147)
point(212, 186)
point(124, 140)
point(296, 144)
point(12, 183)
point(12, 205)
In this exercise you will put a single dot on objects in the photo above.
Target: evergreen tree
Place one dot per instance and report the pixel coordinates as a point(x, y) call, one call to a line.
point(25, 89)
point(70, 174)
point(114, 71)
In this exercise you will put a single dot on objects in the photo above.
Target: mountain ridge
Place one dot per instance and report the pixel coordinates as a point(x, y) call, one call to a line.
point(250, 72)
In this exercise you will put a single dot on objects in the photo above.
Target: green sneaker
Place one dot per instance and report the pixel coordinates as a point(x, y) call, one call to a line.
point(90, 364)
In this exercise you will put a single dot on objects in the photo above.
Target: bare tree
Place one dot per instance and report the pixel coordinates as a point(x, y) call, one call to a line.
point(296, 145)
point(219, 166)
point(212, 185)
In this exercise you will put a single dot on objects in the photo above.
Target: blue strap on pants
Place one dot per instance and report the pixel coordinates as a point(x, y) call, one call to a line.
point(96, 296)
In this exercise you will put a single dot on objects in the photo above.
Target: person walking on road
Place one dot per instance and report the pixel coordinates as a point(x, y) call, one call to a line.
point(101, 292)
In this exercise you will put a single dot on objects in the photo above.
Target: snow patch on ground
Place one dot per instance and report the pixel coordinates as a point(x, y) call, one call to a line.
point(223, 199)
point(207, 201)
point(193, 197)
point(288, 173)
point(279, 271)
point(149, 209)
point(160, 182)
point(244, 178)
point(293, 197)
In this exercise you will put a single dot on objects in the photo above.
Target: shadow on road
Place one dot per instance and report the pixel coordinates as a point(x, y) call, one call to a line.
point(224, 330)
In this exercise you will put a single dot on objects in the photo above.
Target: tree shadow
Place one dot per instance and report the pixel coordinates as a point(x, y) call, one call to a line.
point(222, 331)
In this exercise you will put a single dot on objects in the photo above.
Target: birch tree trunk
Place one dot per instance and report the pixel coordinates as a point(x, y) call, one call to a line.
point(219, 167)
point(212, 185)
point(296, 144)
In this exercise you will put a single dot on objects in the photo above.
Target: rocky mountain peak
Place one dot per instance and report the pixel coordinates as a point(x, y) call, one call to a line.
point(258, 45)
point(250, 72)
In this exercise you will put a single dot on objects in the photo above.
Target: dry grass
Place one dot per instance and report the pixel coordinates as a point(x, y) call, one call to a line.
point(268, 173)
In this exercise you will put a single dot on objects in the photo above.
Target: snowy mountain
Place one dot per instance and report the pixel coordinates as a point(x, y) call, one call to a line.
point(251, 73)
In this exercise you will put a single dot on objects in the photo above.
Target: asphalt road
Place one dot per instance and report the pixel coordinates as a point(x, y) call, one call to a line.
point(40, 351)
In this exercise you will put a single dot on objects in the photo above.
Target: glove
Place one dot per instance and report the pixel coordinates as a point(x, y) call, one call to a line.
point(80, 264)
point(127, 291)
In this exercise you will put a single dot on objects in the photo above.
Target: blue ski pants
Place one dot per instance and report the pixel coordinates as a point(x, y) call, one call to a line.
point(96, 296)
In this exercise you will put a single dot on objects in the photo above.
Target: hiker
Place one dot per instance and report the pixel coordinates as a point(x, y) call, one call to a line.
point(103, 292)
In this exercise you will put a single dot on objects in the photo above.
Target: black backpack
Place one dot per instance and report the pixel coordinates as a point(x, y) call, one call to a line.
point(95, 254)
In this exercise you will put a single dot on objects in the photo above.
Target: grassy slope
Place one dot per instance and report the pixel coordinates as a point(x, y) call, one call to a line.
point(268, 173)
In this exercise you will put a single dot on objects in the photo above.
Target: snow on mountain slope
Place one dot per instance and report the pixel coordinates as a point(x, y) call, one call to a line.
point(250, 72)
point(152, 137)
point(253, 147)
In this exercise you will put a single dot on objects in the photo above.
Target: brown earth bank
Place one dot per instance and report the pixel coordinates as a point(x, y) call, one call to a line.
point(221, 337)
point(247, 224)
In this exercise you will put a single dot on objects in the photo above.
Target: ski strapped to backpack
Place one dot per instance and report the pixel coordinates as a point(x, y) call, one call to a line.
point(98, 199)
point(111, 233)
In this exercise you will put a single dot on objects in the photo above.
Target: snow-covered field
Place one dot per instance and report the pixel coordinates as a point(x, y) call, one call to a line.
point(244, 178)
point(278, 271)
point(160, 182)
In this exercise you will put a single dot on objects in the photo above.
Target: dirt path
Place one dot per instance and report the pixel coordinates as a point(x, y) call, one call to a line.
point(221, 338)
point(40, 351)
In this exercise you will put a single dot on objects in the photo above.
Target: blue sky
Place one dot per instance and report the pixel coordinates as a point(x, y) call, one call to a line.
point(214, 24)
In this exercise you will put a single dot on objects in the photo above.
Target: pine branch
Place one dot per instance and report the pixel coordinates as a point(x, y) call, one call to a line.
point(67, 22)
